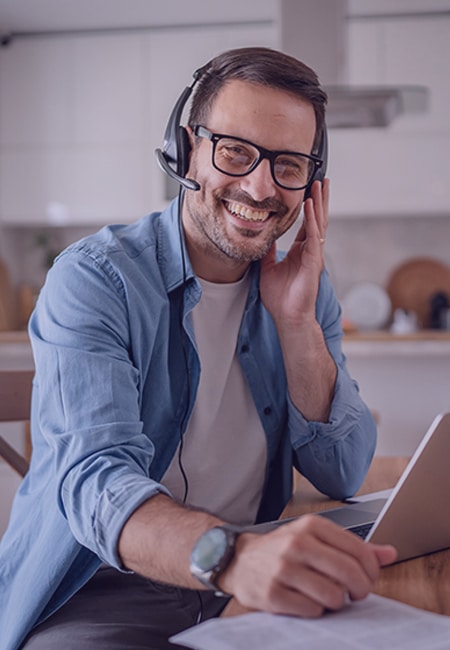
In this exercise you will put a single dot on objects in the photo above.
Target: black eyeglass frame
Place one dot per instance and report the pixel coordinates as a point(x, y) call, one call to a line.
point(203, 132)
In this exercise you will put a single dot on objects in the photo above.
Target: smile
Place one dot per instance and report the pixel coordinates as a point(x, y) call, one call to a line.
point(247, 214)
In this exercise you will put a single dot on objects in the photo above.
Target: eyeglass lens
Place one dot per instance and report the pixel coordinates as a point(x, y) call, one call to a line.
point(239, 158)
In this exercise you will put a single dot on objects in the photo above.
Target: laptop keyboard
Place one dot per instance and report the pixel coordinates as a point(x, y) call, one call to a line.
point(362, 530)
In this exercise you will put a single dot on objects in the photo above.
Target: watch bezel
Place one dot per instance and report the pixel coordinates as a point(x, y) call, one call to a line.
point(208, 574)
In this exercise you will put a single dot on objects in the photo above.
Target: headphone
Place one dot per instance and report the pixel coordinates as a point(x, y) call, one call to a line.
point(173, 158)
point(322, 153)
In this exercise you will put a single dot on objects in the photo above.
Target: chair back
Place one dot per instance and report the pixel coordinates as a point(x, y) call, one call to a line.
point(15, 405)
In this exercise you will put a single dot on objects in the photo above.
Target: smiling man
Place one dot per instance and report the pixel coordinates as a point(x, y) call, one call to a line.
point(183, 367)
point(233, 220)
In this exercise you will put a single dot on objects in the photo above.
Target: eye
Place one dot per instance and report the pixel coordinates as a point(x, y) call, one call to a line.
point(235, 154)
point(297, 167)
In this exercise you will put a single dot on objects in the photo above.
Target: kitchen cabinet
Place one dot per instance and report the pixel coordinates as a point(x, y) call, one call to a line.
point(81, 115)
point(71, 120)
point(403, 169)
point(405, 380)
point(395, 7)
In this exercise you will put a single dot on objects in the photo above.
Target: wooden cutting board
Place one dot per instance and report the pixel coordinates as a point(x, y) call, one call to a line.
point(8, 305)
point(412, 284)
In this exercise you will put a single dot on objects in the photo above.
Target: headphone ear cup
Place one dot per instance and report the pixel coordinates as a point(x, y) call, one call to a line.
point(183, 151)
point(318, 176)
point(174, 156)
point(322, 153)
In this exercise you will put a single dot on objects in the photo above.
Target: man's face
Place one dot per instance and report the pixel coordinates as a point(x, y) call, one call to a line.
point(232, 221)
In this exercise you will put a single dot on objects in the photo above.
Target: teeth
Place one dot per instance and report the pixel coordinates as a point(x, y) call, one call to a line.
point(247, 214)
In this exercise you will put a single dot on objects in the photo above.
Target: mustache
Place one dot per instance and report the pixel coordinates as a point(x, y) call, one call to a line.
point(269, 204)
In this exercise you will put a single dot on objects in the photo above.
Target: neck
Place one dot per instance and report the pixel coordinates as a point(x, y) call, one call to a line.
point(213, 269)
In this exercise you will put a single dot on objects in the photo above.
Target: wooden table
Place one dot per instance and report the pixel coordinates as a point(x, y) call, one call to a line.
point(423, 582)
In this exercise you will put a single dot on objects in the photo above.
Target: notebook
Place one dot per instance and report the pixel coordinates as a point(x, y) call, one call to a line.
point(415, 515)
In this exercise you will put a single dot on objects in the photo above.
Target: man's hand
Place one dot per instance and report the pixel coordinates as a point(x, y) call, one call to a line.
point(289, 292)
point(289, 288)
point(303, 568)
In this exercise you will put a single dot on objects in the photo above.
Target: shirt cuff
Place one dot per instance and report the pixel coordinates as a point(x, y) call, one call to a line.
point(346, 410)
point(115, 506)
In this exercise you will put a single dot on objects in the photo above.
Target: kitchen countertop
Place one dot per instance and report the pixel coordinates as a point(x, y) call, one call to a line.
point(15, 351)
point(19, 336)
point(386, 335)
point(362, 343)
point(430, 343)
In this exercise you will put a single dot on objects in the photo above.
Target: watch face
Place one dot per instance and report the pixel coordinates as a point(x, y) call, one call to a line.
point(210, 549)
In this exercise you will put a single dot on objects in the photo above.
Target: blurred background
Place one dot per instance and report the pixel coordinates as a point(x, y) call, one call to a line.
point(86, 88)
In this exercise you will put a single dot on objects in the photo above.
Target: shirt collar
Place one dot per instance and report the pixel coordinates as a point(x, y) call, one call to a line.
point(172, 250)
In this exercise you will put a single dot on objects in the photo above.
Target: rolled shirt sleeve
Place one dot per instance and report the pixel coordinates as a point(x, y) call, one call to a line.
point(87, 390)
point(335, 455)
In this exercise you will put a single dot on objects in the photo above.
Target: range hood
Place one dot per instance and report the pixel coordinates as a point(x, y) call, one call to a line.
point(314, 31)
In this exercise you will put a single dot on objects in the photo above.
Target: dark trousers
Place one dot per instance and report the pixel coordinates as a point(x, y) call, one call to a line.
point(123, 611)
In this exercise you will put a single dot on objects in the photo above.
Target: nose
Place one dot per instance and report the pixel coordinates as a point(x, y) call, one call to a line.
point(259, 184)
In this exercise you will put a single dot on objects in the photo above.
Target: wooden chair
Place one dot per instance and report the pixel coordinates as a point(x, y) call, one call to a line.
point(15, 404)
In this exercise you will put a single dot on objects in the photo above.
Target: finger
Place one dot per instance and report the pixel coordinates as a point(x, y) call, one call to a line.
point(386, 554)
point(346, 541)
point(344, 569)
point(320, 196)
point(325, 202)
point(315, 203)
point(311, 223)
point(352, 546)
point(314, 238)
point(301, 234)
point(270, 259)
point(338, 554)
point(284, 600)
point(315, 587)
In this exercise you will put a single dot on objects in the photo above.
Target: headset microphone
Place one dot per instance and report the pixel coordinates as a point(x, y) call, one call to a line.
point(173, 158)
point(188, 183)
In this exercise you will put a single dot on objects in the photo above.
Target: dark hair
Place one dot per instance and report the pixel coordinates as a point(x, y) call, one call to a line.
point(259, 65)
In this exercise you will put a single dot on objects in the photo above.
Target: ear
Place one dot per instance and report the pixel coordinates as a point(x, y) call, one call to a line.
point(186, 145)
point(190, 134)
point(183, 151)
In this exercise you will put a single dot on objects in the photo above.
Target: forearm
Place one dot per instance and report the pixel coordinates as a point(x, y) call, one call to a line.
point(157, 540)
point(310, 370)
point(301, 569)
point(336, 455)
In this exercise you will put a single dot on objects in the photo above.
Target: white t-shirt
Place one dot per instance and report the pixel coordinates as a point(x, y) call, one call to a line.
point(224, 448)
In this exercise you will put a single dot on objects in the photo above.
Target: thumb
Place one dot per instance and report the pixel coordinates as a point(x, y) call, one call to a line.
point(270, 259)
point(386, 554)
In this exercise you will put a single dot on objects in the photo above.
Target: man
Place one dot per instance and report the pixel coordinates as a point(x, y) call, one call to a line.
point(181, 369)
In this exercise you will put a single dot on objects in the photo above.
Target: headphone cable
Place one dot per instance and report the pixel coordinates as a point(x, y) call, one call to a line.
point(185, 353)
point(188, 385)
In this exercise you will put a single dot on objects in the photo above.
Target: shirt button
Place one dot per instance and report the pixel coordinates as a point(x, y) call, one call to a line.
point(268, 410)
point(245, 348)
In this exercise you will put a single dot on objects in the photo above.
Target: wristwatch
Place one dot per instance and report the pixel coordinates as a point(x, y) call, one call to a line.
point(212, 553)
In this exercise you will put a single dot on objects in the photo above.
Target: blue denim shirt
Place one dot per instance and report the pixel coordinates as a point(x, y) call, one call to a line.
point(116, 378)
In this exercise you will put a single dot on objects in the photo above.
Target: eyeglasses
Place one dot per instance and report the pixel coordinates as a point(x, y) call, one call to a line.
point(239, 157)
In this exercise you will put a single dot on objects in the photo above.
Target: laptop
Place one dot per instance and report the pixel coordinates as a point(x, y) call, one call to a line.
point(415, 515)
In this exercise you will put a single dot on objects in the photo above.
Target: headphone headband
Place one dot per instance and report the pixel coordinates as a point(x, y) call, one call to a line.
point(173, 158)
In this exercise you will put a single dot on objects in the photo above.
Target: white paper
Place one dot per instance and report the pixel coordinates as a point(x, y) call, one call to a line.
point(370, 624)
point(382, 494)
